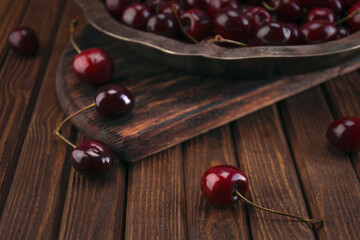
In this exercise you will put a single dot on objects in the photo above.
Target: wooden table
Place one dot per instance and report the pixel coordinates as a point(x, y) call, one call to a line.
point(282, 148)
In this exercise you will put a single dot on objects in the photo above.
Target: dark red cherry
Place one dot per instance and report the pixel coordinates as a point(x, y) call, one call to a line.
point(116, 7)
point(113, 101)
point(92, 157)
point(219, 183)
point(344, 134)
point(350, 3)
point(336, 5)
point(24, 40)
point(94, 66)
point(167, 7)
point(318, 31)
point(216, 5)
point(272, 33)
point(199, 4)
point(162, 24)
point(136, 16)
point(244, 7)
point(320, 14)
point(343, 32)
point(258, 16)
point(289, 10)
point(232, 24)
point(196, 23)
point(294, 28)
point(354, 22)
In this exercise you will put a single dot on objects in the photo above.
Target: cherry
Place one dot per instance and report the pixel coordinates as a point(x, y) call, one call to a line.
point(272, 33)
point(344, 134)
point(167, 7)
point(336, 5)
point(92, 157)
point(294, 28)
point(114, 101)
point(136, 16)
point(24, 40)
point(116, 7)
point(320, 14)
point(162, 24)
point(232, 24)
point(354, 21)
point(350, 3)
point(216, 5)
point(318, 31)
point(343, 32)
point(288, 10)
point(199, 4)
point(153, 5)
point(244, 7)
point(196, 23)
point(258, 16)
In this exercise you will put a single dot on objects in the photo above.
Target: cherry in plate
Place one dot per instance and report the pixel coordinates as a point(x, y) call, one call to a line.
point(116, 7)
point(318, 31)
point(136, 16)
point(272, 33)
point(320, 14)
point(216, 5)
point(258, 16)
point(354, 19)
point(162, 24)
point(199, 4)
point(24, 40)
point(196, 23)
point(168, 8)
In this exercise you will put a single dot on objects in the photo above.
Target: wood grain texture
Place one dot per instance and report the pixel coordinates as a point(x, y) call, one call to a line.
point(34, 204)
point(171, 106)
point(344, 98)
point(264, 156)
point(204, 220)
point(94, 207)
point(156, 201)
point(330, 183)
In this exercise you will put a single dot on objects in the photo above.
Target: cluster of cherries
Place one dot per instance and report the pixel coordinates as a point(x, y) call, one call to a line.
point(244, 23)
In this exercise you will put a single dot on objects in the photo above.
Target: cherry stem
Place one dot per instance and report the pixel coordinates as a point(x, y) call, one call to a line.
point(313, 222)
point(269, 8)
point(181, 26)
point(157, 8)
point(57, 131)
point(73, 24)
point(351, 15)
point(220, 39)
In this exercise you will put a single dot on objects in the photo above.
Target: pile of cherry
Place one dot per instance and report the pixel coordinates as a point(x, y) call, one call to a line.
point(220, 185)
point(244, 23)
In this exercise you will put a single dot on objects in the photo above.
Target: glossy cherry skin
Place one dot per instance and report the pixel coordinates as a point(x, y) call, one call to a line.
point(116, 7)
point(167, 7)
point(354, 22)
point(113, 101)
point(218, 184)
point(232, 24)
point(196, 23)
point(199, 4)
point(343, 32)
point(92, 157)
point(273, 33)
point(294, 28)
point(258, 16)
point(344, 134)
point(336, 5)
point(136, 16)
point(289, 10)
point(24, 40)
point(318, 31)
point(320, 14)
point(216, 5)
point(94, 66)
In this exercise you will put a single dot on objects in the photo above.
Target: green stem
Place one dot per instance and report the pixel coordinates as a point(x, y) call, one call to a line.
point(269, 8)
point(351, 15)
point(73, 24)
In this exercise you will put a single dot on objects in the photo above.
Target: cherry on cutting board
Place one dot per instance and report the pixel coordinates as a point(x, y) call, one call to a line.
point(24, 40)
point(344, 134)
point(224, 185)
point(93, 65)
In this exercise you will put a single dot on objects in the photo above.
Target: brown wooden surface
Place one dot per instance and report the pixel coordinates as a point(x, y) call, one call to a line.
point(282, 149)
point(171, 106)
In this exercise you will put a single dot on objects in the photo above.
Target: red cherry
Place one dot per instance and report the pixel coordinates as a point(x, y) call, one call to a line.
point(232, 24)
point(116, 7)
point(199, 4)
point(336, 5)
point(94, 66)
point(343, 32)
point(196, 23)
point(289, 10)
point(136, 16)
point(350, 3)
point(272, 33)
point(167, 7)
point(162, 24)
point(216, 5)
point(258, 16)
point(113, 101)
point(24, 40)
point(318, 31)
point(344, 134)
point(320, 14)
point(244, 7)
point(92, 157)
point(354, 22)
point(218, 184)
point(294, 39)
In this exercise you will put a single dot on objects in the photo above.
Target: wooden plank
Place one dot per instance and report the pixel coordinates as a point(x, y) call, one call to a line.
point(344, 98)
point(330, 183)
point(265, 158)
point(156, 200)
point(94, 207)
point(171, 106)
point(33, 206)
point(204, 220)
point(11, 12)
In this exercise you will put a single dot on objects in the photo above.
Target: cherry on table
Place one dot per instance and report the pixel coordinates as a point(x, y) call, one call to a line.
point(92, 157)
point(136, 16)
point(196, 23)
point(24, 40)
point(318, 31)
point(320, 14)
point(344, 134)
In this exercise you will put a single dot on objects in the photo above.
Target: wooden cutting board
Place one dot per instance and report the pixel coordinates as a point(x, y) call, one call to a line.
point(171, 106)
